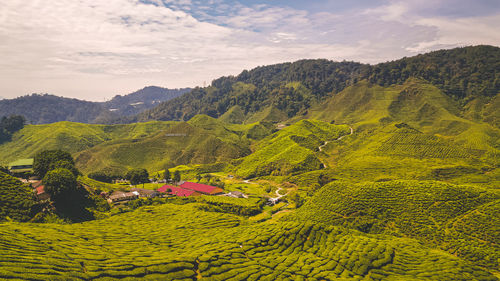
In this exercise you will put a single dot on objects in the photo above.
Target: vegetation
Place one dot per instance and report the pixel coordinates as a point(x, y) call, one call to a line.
point(386, 172)
point(279, 92)
point(52, 159)
point(137, 176)
point(433, 212)
point(225, 248)
point(43, 109)
point(17, 201)
point(10, 125)
point(290, 150)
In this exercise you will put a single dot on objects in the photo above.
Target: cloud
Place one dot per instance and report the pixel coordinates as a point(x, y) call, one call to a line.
point(95, 49)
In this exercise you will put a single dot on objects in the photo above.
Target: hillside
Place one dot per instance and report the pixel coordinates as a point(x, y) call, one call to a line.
point(460, 219)
point(17, 200)
point(290, 150)
point(151, 145)
point(469, 75)
point(203, 245)
point(43, 109)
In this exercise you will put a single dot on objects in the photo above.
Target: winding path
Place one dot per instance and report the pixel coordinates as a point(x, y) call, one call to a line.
point(326, 142)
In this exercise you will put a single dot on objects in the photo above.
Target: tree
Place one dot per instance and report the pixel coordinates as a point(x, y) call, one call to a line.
point(167, 175)
point(177, 176)
point(100, 176)
point(60, 183)
point(13, 123)
point(43, 161)
point(66, 165)
point(137, 176)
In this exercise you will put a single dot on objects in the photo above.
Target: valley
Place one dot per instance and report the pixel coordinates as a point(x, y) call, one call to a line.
point(328, 171)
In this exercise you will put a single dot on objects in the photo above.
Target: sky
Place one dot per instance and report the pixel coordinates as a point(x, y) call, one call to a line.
point(95, 49)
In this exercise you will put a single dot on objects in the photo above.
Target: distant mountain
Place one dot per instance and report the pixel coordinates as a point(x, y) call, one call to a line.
point(43, 109)
point(282, 91)
point(141, 100)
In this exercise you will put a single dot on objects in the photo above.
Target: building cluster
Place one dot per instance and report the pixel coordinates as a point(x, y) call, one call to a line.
point(184, 189)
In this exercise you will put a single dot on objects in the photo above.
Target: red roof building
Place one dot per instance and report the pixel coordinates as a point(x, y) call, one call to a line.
point(202, 188)
point(178, 191)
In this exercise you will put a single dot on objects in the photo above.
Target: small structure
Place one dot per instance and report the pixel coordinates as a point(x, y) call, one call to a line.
point(202, 188)
point(178, 191)
point(120, 196)
point(236, 194)
point(21, 166)
point(148, 193)
point(41, 194)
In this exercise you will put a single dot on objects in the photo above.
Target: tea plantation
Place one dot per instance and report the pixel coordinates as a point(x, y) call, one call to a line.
point(180, 242)
point(17, 201)
point(461, 219)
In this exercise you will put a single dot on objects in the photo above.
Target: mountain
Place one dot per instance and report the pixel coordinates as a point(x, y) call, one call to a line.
point(141, 100)
point(43, 109)
point(279, 92)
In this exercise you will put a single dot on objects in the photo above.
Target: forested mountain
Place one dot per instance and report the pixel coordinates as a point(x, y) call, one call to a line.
point(42, 109)
point(141, 100)
point(279, 92)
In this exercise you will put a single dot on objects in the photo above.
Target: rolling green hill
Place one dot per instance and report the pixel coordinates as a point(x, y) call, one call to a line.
point(460, 219)
point(468, 75)
point(290, 150)
point(198, 245)
point(152, 145)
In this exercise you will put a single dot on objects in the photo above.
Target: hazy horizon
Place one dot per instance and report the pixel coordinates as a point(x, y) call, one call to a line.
point(94, 51)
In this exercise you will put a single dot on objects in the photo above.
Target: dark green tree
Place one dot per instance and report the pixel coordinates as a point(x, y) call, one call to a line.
point(101, 176)
point(45, 160)
point(60, 183)
point(12, 123)
point(177, 176)
point(66, 165)
point(167, 175)
point(137, 176)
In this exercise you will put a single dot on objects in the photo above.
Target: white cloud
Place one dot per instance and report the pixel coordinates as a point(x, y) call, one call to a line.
point(90, 49)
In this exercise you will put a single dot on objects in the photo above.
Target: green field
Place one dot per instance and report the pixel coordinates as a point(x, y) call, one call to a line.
point(180, 242)
point(461, 219)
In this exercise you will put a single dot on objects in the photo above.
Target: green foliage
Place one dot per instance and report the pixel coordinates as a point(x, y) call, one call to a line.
point(42, 109)
point(10, 125)
point(292, 89)
point(101, 176)
point(60, 183)
point(137, 176)
point(48, 159)
point(17, 200)
point(177, 176)
point(290, 150)
point(433, 212)
point(213, 246)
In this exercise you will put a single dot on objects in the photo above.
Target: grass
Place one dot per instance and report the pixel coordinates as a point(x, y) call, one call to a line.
point(214, 246)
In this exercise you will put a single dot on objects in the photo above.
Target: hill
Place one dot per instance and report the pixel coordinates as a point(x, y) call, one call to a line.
point(43, 109)
point(199, 245)
point(17, 200)
point(143, 99)
point(290, 150)
point(151, 145)
point(469, 75)
point(460, 219)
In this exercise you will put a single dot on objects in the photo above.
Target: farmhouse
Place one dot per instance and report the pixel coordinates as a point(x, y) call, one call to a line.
point(178, 191)
point(21, 166)
point(148, 193)
point(119, 196)
point(202, 188)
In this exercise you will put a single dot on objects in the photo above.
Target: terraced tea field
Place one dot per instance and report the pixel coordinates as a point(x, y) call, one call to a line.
point(180, 242)
point(461, 219)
